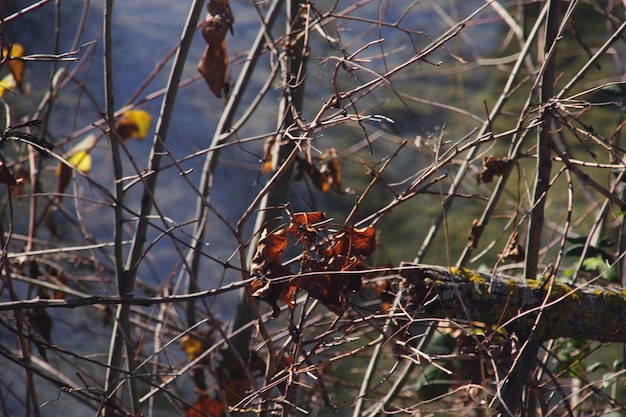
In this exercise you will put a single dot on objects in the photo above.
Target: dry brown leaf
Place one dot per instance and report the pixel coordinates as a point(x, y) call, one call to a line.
point(492, 167)
point(22, 178)
point(214, 62)
point(268, 148)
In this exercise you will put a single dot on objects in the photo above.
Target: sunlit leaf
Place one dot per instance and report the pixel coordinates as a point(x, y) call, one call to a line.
point(360, 242)
point(133, 124)
point(15, 65)
point(81, 160)
point(309, 222)
point(7, 83)
point(269, 254)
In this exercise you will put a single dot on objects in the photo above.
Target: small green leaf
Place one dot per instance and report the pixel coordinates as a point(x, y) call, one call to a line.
point(618, 365)
point(596, 366)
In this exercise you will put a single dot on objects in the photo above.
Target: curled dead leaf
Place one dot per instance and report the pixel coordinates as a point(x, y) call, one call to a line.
point(21, 178)
point(214, 62)
point(302, 224)
point(492, 167)
point(268, 151)
point(475, 233)
point(324, 171)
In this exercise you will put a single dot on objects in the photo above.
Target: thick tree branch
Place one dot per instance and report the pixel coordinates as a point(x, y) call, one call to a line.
point(585, 312)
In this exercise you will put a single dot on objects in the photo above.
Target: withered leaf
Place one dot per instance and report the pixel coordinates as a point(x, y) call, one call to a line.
point(475, 233)
point(306, 222)
point(269, 254)
point(328, 256)
point(357, 242)
point(334, 168)
point(324, 172)
point(272, 293)
point(221, 7)
point(328, 289)
point(268, 150)
point(513, 251)
point(492, 167)
point(267, 263)
point(22, 178)
point(214, 62)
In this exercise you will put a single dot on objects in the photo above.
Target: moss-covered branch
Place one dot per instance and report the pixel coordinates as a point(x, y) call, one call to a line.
point(549, 310)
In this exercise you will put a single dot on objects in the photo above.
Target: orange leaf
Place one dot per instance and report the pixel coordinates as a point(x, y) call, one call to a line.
point(306, 222)
point(268, 148)
point(362, 241)
point(334, 169)
point(269, 254)
point(206, 407)
point(272, 293)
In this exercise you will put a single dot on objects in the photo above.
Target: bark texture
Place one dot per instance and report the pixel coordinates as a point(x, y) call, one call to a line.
point(543, 310)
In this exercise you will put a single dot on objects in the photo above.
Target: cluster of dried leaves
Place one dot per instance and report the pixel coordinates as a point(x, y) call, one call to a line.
point(326, 259)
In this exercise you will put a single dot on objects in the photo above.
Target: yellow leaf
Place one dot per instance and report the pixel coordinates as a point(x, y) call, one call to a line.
point(134, 123)
point(81, 160)
point(7, 83)
point(17, 66)
point(193, 347)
